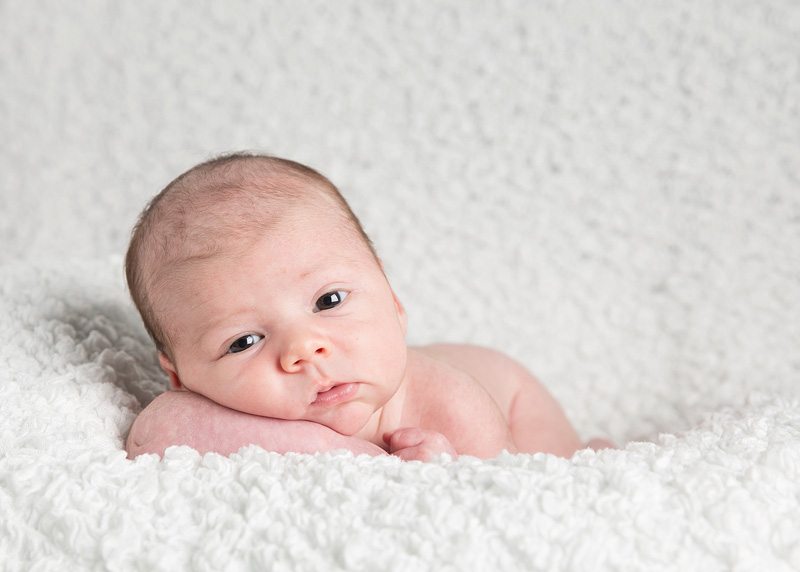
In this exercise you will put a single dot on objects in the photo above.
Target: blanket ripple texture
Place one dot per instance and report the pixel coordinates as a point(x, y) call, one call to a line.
point(609, 193)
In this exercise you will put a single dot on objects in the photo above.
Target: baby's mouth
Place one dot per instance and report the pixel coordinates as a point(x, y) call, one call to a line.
point(337, 393)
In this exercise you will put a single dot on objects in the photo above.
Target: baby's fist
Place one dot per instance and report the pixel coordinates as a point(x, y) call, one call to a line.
point(415, 444)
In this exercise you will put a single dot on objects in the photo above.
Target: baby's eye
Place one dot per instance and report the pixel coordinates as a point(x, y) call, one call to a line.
point(244, 343)
point(330, 300)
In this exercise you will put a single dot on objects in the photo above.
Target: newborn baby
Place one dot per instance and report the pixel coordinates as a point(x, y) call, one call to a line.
point(276, 325)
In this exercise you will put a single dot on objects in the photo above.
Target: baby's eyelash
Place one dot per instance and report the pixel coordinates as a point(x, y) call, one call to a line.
point(244, 343)
point(337, 296)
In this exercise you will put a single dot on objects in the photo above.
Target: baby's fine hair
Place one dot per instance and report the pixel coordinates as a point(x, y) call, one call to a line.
point(239, 195)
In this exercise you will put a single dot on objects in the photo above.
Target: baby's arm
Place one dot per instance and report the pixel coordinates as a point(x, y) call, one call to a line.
point(455, 412)
point(473, 423)
point(188, 418)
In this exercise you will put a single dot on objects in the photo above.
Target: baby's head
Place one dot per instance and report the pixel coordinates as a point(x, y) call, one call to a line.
point(262, 292)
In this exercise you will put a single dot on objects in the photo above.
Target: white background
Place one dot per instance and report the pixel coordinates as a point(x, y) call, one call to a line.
point(609, 192)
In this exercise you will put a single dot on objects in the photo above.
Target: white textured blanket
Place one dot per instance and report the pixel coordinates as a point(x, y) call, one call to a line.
point(610, 194)
point(75, 364)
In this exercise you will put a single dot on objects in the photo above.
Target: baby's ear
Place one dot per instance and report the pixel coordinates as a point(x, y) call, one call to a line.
point(401, 312)
point(169, 369)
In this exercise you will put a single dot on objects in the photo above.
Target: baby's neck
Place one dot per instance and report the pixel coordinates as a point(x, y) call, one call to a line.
point(398, 411)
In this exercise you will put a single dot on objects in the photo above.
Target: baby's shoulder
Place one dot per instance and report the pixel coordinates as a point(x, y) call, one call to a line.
point(499, 374)
point(479, 361)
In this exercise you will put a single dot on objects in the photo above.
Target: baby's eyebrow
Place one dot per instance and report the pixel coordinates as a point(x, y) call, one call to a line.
point(228, 316)
point(307, 273)
point(208, 327)
point(344, 264)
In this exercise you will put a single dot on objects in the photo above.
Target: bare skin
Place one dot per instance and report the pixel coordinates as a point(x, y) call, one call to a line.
point(530, 420)
point(290, 337)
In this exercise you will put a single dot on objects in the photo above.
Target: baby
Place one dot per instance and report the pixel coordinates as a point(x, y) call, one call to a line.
point(276, 326)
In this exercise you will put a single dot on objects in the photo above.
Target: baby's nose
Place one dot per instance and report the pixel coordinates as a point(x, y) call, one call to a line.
point(303, 349)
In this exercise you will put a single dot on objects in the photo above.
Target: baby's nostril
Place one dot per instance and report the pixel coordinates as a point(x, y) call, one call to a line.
point(320, 350)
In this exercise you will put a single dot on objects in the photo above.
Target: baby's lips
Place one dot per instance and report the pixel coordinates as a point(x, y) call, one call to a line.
point(336, 393)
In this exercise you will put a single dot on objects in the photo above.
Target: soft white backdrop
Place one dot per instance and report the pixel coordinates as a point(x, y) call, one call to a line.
point(607, 191)
point(610, 192)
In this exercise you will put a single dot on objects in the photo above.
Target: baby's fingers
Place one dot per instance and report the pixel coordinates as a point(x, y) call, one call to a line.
point(415, 444)
point(404, 438)
point(419, 453)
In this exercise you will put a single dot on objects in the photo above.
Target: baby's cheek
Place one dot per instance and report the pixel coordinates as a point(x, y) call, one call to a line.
point(391, 344)
point(267, 397)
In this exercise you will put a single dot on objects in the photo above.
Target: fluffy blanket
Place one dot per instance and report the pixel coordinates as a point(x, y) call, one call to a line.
point(607, 193)
point(76, 367)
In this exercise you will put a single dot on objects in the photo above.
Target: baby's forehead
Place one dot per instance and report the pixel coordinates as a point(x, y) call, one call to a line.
point(236, 226)
point(262, 254)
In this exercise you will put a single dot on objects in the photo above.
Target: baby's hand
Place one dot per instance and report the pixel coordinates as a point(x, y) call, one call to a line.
point(415, 444)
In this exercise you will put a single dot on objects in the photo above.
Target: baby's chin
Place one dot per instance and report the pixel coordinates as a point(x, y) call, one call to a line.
point(347, 419)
